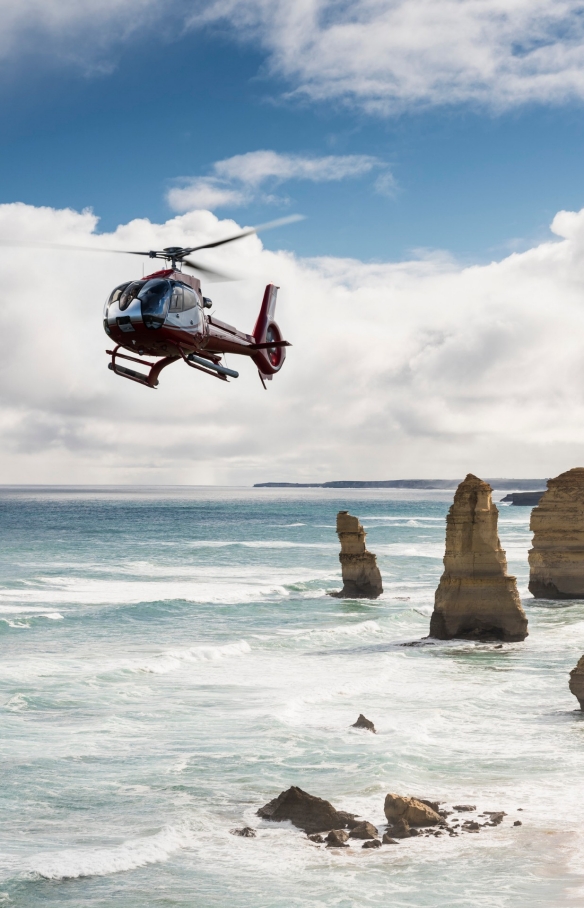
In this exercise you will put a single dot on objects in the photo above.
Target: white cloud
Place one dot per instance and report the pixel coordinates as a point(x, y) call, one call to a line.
point(255, 167)
point(386, 55)
point(415, 368)
point(381, 55)
point(202, 192)
point(77, 32)
point(243, 178)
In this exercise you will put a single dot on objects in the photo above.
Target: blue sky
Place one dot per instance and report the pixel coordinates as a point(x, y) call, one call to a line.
point(433, 295)
point(114, 129)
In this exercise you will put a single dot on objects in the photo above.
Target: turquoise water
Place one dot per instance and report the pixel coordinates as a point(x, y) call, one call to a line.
point(171, 661)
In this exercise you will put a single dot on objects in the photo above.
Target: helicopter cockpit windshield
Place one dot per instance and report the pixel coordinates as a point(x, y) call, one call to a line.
point(154, 297)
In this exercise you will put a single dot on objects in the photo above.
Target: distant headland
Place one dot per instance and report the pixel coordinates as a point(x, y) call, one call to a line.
point(532, 485)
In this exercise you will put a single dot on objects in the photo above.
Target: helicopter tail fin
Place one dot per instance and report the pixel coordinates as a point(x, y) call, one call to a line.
point(270, 346)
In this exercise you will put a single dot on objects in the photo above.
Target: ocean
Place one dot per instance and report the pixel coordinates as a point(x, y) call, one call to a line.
point(171, 661)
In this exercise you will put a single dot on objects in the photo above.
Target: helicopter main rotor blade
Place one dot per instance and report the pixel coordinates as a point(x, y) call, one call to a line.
point(291, 219)
point(75, 248)
point(210, 272)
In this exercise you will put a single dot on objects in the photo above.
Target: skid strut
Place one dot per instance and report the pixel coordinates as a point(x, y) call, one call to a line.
point(150, 379)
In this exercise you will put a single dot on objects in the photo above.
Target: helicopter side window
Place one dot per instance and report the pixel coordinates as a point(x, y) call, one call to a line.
point(176, 302)
point(155, 299)
point(190, 299)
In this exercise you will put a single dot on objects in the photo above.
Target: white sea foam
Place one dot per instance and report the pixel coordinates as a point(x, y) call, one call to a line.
point(73, 863)
point(340, 630)
point(173, 659)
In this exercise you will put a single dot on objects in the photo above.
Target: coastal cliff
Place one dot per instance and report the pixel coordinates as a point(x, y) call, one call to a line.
point(577, 682)
point(361, 576)
point(556, 561)
point(476, 598)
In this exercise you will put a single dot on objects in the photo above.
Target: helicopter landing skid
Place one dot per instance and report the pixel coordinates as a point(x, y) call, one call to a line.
point(150, 379)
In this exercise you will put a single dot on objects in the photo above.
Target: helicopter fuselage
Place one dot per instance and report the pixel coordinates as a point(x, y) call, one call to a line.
point(165, 315)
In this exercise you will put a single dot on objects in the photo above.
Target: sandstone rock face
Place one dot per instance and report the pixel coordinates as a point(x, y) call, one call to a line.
point(556, 561)
point(306, 811)
point(361, 577)
point(577, 682)
point(476, 598)
point(412, 811)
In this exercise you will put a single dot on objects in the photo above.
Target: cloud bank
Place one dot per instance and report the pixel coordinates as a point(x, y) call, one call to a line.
point(406, 369)
point(245, 178)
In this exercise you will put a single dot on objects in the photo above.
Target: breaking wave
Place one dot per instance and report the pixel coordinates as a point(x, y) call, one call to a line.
point(72, 864)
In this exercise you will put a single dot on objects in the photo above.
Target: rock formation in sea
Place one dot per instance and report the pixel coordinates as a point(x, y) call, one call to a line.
point(556, 561)
point(476, 598)
point(410, 810)
point(362, 722)
point(363, 830)
point(361, 576)
point(577, 682)
point(306, 811)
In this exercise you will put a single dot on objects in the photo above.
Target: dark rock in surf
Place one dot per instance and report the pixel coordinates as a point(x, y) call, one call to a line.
point(316, 838)
point(247, 832)
point(372, 843)
point(433, 805)
point(306, 811)
point(387, 839)
point(347, 820)
point(495, 817)
point(464, 807)
point(362, 722)
point(364, 830)
point(337, 838)
point(400, 830)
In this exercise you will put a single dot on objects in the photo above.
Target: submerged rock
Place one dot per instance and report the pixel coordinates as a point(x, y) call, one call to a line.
point(464, 807)
point(372, 843)
point(412, 811)
point(362, 722)
point(247, 832)
point(306, 811)
point(364, 830)
point(476, 598)
point(556, 560)
point(361, 576)
point(577, 682)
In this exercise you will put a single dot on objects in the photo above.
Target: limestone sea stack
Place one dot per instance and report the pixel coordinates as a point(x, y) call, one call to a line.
point(556, 561)
point(577, 682)
point(476, 598)
point(361, 577)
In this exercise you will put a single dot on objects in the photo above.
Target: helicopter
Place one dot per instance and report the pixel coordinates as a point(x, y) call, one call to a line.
point(164, 315)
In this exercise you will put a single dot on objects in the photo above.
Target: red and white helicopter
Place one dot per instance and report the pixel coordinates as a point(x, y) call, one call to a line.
point(164, 315)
